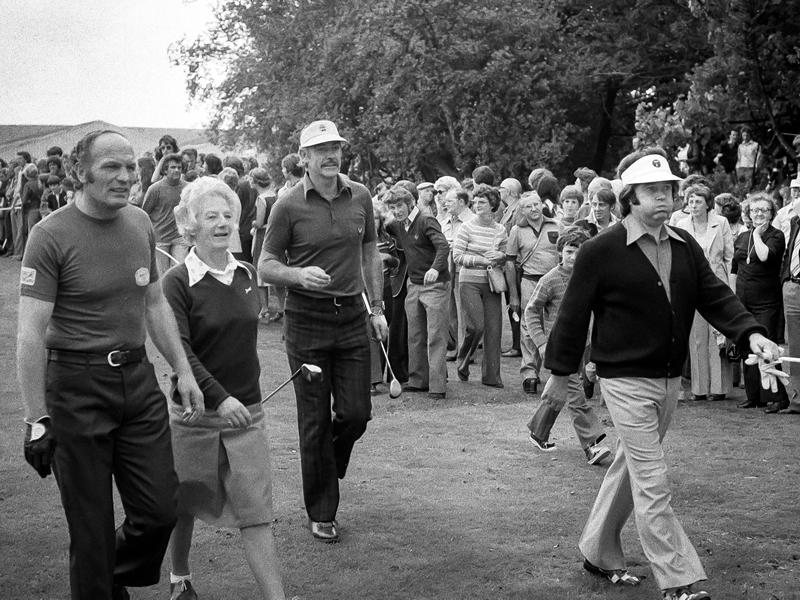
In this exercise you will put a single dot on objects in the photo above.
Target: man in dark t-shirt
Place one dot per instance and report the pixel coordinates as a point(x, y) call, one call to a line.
point(159, 203)
point(325, 228)
point(89, 295)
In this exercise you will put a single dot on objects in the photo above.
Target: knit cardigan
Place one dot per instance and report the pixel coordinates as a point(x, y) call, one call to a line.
point(637, 331)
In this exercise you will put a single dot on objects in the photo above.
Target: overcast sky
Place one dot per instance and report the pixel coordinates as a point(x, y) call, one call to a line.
point(66, 63)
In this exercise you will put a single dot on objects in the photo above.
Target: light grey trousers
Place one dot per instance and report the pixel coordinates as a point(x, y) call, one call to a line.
point(641, 409)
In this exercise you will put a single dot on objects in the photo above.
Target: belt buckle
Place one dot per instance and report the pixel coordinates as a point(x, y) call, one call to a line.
point(116, 353)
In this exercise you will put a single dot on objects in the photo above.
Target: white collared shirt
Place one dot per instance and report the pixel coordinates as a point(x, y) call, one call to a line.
point(197, 269)
point(410, 218)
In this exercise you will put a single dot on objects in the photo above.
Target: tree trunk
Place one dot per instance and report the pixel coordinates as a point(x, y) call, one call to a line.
point(606, 117)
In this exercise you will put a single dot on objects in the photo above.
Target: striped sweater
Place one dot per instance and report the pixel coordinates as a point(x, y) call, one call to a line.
point(471, 243)
point(542, 309)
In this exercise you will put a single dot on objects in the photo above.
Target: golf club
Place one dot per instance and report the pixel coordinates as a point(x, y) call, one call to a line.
point(311, 373)
point(168, 255)
point(395, 389)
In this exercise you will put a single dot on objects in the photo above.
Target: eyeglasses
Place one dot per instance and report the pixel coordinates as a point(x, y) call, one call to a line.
point(437, 192)
point(759, 210)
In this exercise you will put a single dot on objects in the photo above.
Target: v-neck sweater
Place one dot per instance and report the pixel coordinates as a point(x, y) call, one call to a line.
point(637, 331)
point(218, 325)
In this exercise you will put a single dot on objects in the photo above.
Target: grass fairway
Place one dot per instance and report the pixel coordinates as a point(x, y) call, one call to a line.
point(448, 500)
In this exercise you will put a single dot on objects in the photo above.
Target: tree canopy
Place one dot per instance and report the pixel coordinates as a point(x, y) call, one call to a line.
point(428, 87)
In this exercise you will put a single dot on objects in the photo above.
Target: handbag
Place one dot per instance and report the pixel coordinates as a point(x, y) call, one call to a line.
point(497, 280)
point(496, 277)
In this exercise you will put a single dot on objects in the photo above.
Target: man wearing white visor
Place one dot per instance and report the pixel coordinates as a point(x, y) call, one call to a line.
point(643, 281)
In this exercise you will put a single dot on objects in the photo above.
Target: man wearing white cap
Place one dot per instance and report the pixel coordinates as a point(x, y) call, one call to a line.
point(326, 229)
point(643, 281)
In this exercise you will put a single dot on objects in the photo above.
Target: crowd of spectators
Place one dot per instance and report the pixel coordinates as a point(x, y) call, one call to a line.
point(485, 224)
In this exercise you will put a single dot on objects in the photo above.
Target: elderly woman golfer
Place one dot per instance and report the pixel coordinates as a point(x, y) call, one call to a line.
point(222, 461)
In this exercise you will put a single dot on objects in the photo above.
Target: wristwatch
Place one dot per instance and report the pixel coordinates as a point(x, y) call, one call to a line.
point(377, 311)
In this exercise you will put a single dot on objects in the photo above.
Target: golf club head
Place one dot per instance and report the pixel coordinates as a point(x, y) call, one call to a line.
point(395, 389)
point(311, 373)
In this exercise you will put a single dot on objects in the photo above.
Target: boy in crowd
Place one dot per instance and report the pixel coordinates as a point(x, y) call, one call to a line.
point(540, 315)
point(427, 300)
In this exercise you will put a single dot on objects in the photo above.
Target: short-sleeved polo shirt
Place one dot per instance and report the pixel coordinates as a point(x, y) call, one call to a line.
point(313, 231)
point(96, 273)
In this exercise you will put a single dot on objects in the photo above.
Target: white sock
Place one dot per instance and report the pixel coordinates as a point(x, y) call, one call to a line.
point(179, 578)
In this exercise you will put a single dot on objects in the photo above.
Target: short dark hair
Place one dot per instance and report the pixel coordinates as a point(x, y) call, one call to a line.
point(83, 149)
point(627, 195)
point(585, 174)
point(292, 164)
point(571, 192)
point(606, 197)
point(693, 179)
point(398, 194)
point(483, 174)
point(190, 151)
point(55, 151)
point(53, 180)
point(213, 164)
point(168, 139)
point(491, 194)
point(168, 158)
point(53, 159)
point(732, 211)
point(408, 185)
point(703, 191)
point(572, 236)
point(548, 188)
point(26, 156)
point(235, 163)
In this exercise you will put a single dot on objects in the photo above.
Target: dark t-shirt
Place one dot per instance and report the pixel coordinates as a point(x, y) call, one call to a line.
point(218, 324)
point(315, 232)
point(159, 202)
point(96, 273)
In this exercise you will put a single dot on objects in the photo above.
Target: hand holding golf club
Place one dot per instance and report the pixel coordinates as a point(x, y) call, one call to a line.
point(395, 389)
point(311, 373)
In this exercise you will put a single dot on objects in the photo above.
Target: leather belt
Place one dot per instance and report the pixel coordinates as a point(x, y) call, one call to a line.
point(115, 358)
point(530, 277)
point(335, 301)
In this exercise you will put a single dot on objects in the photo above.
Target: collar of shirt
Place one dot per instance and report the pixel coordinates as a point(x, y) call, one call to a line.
point(410, 218)
point(635, 230)
point(465, 215)
point(197, 269)
point(342, 183)
point(591, 218)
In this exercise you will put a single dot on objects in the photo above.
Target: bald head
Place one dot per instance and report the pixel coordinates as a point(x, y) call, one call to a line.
point(512, 186)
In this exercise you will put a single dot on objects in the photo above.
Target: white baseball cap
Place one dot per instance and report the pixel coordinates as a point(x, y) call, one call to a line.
point(795, 182)
point(320, 132)
point(648, 169)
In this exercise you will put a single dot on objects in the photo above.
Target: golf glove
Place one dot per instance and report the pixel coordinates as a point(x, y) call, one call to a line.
point(39, 446)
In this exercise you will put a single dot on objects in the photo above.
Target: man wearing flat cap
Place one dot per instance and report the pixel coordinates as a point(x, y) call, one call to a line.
point(326, 229)
point(642, 280)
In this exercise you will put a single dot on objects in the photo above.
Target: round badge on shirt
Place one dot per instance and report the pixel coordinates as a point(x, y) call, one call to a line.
point(142, 276)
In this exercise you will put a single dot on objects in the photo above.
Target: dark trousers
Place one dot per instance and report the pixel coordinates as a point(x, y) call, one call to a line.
point(515, 324)
point(112, 421)
point(398, 335)
point(767, 315)
point(483, 318)
point(335, 339)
